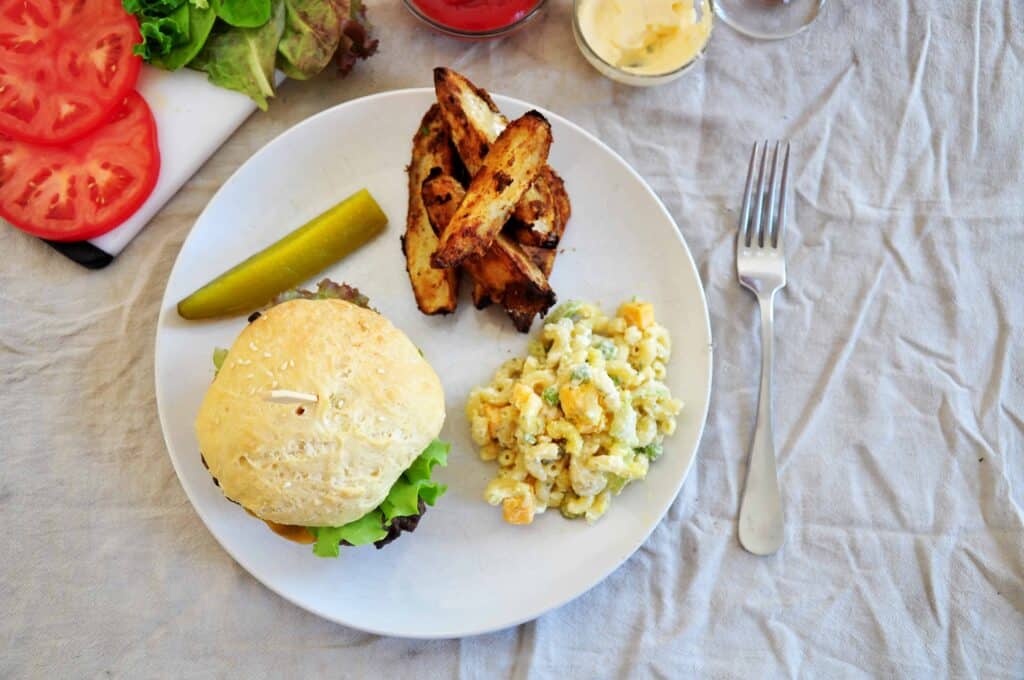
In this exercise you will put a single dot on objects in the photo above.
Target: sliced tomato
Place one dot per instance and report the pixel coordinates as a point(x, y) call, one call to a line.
point(65, 66)
point(85, 188)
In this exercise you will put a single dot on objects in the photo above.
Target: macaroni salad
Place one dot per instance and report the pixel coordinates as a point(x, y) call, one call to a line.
point(581, 417)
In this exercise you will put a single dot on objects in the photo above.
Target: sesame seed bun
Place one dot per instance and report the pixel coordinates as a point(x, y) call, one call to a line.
point(379, 404)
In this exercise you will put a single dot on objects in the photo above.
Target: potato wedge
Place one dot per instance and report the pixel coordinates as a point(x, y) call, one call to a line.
point(436, 290)
point(511, 166)
point(539, 219)
point(512, 279)
point(506, 273)
point(441, 195)
point(522, 318)
point(475, 122)
point(472, 117)
point(481, 299)
point(563, 207)
point(544, 258)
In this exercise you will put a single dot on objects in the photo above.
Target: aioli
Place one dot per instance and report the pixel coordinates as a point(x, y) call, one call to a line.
point(646, 37)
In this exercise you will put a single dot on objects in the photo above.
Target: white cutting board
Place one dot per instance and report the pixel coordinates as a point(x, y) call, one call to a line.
point(193, 118)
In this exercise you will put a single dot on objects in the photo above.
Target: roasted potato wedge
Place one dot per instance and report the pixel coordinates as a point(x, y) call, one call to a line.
point(512, 279)
point(481, 299)
point(441, 196)
point(563, 207)
point(474, 123)
point(544, 258)
point(513, 163)
point(506, 273)
point(539, 219)
point(522, 318)
point(436, 290)
point(472, 117)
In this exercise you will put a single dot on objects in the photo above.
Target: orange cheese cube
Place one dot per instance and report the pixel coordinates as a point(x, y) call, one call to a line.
point(518, 509)
point(639, 314)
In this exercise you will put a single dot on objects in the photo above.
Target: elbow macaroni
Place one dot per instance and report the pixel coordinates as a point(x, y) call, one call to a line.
point(581, 417)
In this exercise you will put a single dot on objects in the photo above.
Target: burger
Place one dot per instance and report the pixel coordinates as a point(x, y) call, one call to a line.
point(322, 421)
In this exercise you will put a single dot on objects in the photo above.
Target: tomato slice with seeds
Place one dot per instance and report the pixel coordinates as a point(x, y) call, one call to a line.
point(65, 66)
point(86, 188)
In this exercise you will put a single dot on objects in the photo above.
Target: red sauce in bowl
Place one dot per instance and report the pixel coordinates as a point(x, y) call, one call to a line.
point(475, 16)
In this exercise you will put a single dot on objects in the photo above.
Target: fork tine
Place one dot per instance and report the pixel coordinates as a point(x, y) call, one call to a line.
point(783, 186)
point(743, 233)
point(773, 195)
point(758, 233)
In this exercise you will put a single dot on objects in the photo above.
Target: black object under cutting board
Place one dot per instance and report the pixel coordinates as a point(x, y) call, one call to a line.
point(82, 252)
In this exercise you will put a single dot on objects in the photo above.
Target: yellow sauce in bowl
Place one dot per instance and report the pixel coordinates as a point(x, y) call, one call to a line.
point(645, 37)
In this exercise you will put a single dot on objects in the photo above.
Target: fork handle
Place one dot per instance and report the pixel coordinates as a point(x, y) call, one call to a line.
point(761, 522)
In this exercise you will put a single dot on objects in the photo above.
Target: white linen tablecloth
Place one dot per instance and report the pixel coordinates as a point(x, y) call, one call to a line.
point(899, 384)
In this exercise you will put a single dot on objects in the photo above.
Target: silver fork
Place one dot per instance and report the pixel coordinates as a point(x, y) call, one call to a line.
point(761, 267)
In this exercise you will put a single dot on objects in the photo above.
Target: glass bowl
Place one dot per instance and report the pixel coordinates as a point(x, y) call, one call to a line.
point(475, 35)
point(769, 21)
point(624, 76)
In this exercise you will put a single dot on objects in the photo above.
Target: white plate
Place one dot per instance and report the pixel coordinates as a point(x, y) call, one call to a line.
point(464, 571)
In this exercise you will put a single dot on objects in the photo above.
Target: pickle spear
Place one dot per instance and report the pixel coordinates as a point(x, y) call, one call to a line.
point(295, 258)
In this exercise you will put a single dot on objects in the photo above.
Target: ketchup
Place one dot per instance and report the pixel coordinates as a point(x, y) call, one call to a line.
point(475, 15)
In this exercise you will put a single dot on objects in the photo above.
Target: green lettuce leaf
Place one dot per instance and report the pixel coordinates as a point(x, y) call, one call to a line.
point(356, 42)
point(200, 23)
point(402, 501)
point(311, 36)
point(242, 59)
point(404, 498)
point(325, 290)
point(151, 8)
point(366, 529)
point(244, 13)
point(161, 34)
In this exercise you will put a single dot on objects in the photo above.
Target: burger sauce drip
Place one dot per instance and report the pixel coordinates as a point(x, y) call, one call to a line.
point(475, 15)
point(291, 532)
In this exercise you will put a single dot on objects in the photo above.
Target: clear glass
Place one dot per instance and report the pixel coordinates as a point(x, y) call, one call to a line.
point(769, 19)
